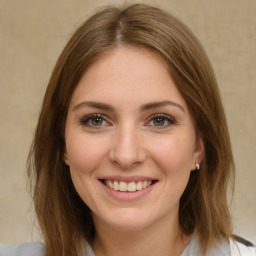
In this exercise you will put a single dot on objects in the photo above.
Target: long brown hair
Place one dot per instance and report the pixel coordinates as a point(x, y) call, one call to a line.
point(64, 219)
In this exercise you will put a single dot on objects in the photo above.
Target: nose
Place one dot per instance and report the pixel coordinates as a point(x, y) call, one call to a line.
point(127, 148)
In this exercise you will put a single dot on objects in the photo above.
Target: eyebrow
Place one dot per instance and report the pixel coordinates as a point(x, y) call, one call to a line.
point(158, 104)
point(94, 104)
point(145, 107)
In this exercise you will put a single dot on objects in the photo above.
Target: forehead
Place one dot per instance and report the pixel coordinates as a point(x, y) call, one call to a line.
point(127, 74)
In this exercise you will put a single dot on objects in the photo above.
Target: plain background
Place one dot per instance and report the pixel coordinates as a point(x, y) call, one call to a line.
point(32, 35)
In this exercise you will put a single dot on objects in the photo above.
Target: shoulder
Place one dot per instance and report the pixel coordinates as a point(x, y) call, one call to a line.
point(24, 249)
point(235, 246)
point(241, 249)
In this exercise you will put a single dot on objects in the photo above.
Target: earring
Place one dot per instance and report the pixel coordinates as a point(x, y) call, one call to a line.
point(197, 166)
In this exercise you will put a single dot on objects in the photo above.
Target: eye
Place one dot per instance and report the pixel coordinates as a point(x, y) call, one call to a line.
point(161, 121)
point(94, 121)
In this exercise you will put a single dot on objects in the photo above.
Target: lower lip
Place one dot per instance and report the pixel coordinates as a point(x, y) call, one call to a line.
point(128, 196)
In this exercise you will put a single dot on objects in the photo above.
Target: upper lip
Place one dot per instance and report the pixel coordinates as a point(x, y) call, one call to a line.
point(127, 179)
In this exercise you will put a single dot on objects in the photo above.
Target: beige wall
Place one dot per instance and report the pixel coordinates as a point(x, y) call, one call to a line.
point(32, 34)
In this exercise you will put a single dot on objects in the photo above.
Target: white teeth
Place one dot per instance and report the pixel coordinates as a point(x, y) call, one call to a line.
point(139, 185)
point(132, 187)
point(123, 186)
point(116, 185)
point(144, 184)
point(127, 187)
point(110, 184)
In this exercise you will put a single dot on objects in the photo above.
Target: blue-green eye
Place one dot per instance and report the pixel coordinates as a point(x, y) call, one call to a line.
point(161, 121)
point(94, 121)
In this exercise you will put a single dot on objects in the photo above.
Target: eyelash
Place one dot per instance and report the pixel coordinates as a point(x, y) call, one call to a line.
point(163, 117)
point(87, 120)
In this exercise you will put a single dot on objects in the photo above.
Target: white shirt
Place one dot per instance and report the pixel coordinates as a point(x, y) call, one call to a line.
point(225, 248)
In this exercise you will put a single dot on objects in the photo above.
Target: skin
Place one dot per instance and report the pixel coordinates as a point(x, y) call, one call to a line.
point(126, 141)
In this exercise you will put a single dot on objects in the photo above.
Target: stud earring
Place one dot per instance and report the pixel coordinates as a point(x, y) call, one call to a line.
point(197, 166)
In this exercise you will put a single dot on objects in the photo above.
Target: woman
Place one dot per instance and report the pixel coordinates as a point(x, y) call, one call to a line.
point(131, 155)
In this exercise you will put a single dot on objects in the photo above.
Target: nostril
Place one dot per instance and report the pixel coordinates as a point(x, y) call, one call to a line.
point(127, 153)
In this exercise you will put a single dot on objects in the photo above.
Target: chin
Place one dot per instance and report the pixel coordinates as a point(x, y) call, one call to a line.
point(128, 225)
point(128, 220)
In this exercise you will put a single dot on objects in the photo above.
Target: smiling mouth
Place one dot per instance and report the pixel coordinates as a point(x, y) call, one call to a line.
point(128, 186)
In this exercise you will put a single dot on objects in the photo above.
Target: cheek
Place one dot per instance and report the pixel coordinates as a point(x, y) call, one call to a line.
point(174, 155)
point(85, 153)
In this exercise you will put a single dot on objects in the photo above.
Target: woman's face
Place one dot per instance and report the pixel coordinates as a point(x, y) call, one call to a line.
point(130, 140)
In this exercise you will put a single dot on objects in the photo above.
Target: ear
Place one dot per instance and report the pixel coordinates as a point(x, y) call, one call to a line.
point(198, 154)
point(65, 158)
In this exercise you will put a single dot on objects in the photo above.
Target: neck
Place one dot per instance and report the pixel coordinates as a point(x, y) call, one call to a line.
point(162, 238)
